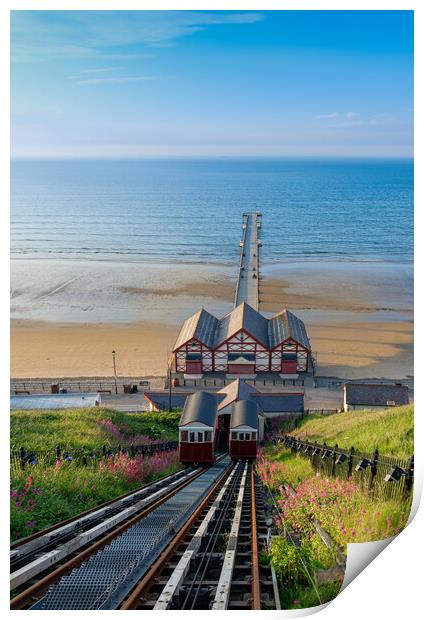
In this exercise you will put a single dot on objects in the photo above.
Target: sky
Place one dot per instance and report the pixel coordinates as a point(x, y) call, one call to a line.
point(120, 84)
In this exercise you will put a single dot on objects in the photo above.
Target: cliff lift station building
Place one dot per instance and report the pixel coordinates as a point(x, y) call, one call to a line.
point(243, 342)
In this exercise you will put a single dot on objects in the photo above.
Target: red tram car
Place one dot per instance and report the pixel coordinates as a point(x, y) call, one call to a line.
point(244, 430)
point(197, 429)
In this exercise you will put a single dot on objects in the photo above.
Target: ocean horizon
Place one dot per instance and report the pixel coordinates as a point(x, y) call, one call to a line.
point(189, 210)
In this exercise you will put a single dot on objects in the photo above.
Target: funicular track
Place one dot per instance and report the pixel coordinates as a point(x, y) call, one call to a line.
point(88, 534)
point(28, 555)
point(195, 547)
point(216, 564)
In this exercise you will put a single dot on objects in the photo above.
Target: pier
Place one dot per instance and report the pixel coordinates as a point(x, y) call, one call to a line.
point(247, 289)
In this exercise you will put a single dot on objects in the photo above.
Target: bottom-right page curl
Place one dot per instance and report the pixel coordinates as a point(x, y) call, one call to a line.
point(336, 490)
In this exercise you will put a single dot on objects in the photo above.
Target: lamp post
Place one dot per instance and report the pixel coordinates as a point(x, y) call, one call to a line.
point(114, 371)
point(170, 383)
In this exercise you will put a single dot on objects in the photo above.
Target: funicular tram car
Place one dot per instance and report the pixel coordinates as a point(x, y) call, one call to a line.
point(197, 429)
point(246, 430)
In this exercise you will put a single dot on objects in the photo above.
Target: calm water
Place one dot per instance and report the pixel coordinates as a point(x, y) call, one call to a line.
point(191, 210)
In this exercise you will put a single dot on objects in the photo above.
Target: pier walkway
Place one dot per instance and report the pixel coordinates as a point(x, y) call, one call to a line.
point(247, 288)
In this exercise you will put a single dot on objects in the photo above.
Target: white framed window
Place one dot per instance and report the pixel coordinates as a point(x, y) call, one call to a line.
point(197, 436)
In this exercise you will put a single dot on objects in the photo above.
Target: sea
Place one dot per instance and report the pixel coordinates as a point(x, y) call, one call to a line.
point(190, 210)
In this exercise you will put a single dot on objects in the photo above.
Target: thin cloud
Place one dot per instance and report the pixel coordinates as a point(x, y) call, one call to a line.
point(330, 115)
point(116, 80)
point(41, 35)
point(102, 70)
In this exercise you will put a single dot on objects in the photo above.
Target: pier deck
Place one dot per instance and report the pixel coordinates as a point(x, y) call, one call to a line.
point(247, 289)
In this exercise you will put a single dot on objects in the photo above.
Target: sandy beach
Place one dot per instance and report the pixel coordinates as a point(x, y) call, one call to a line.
point(359, 315)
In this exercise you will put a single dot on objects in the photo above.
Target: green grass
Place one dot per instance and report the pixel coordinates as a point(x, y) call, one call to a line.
point(74, 428)
point(344, 509)
point(42, 496)
point(390, 430)
point(347, 511)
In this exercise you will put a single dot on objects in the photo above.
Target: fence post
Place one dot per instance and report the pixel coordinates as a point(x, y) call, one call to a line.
point(409, 478)
point(321, 461)
point(313, 456)
point(374, 466)
point(350, 463)
point(22, 455)
point(333, 460)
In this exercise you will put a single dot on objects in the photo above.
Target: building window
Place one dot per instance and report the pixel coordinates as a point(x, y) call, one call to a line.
point(184, 435)
point(208, 436)
point(233, 435)
point(192, 439)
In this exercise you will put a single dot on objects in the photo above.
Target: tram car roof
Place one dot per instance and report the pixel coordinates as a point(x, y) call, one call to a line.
point(200, 407)
point(244, 413)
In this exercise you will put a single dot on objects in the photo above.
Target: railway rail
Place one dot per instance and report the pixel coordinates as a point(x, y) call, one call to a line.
point(33, 555)
point(192, 543)
point(215, 565)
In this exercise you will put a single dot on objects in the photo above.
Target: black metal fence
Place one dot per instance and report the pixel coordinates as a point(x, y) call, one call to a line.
point(386, 476)
point(23, 459)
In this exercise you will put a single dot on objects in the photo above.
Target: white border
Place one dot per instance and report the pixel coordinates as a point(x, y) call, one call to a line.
point(391, 586)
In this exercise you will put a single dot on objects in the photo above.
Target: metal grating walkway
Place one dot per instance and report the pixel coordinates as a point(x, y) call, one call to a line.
point(108, 576)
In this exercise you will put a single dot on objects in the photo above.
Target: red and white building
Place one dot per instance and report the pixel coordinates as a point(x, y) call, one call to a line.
point(242, 343)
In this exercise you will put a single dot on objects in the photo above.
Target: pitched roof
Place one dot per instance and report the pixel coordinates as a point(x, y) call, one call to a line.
point(244, 413)
point(200, 407)
point(160, 398)
point(286, 325)
point(377, 394)
point(236, 390)
point(269, 402)
point(202, 326)
point(243, 317)
point(270, 332)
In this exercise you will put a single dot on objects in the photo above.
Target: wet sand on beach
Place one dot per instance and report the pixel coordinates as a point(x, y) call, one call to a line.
point(66, 319)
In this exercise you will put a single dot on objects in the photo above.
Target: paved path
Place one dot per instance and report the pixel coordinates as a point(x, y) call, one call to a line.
point(248, 278)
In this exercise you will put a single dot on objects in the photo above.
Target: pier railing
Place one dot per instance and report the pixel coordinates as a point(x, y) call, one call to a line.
point(242, 244)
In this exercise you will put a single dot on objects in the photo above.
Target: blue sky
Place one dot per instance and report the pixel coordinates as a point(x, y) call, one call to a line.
point(212, 83)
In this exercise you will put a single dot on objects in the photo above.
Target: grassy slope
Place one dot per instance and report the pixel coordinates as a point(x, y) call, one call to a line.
point(73, 428)
point(389, 430)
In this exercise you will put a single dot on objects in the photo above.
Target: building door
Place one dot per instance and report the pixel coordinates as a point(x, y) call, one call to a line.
point(289, 364)
point(193, 367)
point(241, 369)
